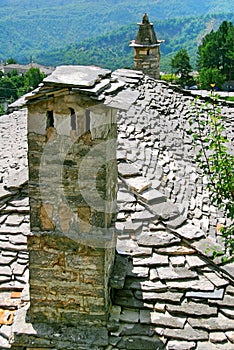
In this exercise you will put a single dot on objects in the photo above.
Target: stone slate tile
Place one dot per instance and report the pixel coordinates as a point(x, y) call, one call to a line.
point(131, 316)
point(158, 296)
point(190, 308)
point(230, 336)
point(227, 312)
point(166, 320)
point(139, 271)
point(154, 260)
point(145, 285)
point(14, 220)
point(190, 231)
point(180, 345)
point(218, 337)
point(186, 334)
point(138, 184)
point(166, 210)
point(214, 278)
point(218, 323)
point(126, 298)
point(137, 329)
point(216, 294)
point(130, 247)
point(210, 346)
point(195, 261)
point(199, 284)
point(228, 301)
point(127, 170)
point(205, 246)
point(178, 260)
point(157, 239)
point(176, 250)
point(141, 342)
point(152, 197)
point(142, 215)
point(175, 273)
point(130, 226)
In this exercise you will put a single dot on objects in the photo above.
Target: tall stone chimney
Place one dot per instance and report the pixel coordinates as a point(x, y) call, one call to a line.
point(147, 49)
point(72, 190)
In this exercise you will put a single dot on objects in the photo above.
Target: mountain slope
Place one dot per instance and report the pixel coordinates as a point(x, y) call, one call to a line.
point(31, 27)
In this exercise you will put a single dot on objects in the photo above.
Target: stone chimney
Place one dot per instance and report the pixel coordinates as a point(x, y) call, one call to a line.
point(147, 49)
point(72, 190)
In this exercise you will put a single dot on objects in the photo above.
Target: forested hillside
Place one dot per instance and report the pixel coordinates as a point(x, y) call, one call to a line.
point(98, 32)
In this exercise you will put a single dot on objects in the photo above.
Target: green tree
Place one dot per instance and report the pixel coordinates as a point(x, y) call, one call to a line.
point(32, 78)
point(10, 61)
point(209, 77)
point(217, 51)
point(181, 66)
point(8, 89)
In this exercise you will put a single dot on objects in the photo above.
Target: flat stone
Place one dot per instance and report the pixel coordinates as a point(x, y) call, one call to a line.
point(14, 220)
point(166, 320)
point(129, 316)
point(170, 273)
point(146, 285)
point(201, 284)
point(157, 239)
point(217, 337)
point(127, 170)
point(216, 294)
point(206, 246)
point(193, 309)
point(79, 76)
point(136, 329)
point(230, 336)
point(140, 271)
point(227, 312)
point(195, 261)
point(155, 259)
point(143, 215)
point(166, 210)
point(130, 226)
point(157, 296)
point(228, 301)
point(152, 196)
point(190, 231)
point(215, 279)
point(138, 184)
point(130, 247)
point(176, 250)
point(124, 196)
point(141, 342)
point(188, 333)
point(211, 346)
point(180, 345)
point(177, 260)
point(218, 323)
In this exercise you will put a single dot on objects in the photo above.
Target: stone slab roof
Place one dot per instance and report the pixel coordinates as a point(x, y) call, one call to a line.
point(168, 292)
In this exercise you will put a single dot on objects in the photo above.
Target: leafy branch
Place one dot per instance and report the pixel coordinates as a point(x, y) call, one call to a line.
point(216, 162)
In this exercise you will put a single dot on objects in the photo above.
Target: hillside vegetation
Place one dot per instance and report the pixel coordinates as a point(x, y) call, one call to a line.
point(98, 32)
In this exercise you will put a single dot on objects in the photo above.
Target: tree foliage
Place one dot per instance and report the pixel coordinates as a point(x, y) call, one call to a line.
point(217, 53)
point(181, 66)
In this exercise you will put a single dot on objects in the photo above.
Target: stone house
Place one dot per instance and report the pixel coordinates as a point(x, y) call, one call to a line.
point(95, 258)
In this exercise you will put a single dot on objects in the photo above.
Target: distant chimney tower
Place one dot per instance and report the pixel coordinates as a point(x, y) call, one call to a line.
point(147, 49)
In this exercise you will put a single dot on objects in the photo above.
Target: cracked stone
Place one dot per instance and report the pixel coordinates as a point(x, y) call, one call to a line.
point(170, 273)
point(219, 323)
point(180, 345)
point(127, 170)
point(188, 333)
